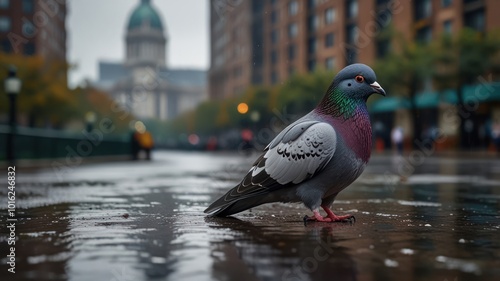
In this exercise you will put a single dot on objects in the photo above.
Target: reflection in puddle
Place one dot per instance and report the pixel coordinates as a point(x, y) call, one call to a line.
point(267, 252)
point(145, 221)
point(465, 266)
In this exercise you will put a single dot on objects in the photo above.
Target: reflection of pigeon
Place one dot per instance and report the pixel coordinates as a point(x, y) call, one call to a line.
point(317, 156)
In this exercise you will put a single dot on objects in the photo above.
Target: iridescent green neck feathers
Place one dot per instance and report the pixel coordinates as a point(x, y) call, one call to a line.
point(337, 104)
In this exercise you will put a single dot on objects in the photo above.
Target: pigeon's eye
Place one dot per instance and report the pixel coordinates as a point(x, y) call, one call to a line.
point(359, 79)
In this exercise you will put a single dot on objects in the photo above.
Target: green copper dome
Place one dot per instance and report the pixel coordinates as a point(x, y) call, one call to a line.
point(145, 12)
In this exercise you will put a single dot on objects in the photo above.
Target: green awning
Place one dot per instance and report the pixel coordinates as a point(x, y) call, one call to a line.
point(449, 96)
point(427, 100)
point(479, 93)
point(389, 104)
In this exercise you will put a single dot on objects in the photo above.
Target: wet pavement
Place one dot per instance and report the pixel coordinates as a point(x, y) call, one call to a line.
point(144, 221)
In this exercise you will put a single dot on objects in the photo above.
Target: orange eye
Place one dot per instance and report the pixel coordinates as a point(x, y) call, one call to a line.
point(359, 79)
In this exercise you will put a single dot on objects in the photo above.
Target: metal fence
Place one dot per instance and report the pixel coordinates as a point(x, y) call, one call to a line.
point(33, 143)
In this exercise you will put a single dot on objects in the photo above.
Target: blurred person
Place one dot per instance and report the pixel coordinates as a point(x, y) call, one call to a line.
point(378, 132)
point(397, 138)
point(211, 143)
point(247, 138)
point(495, 135)
point(144, 140)
point(134, 145)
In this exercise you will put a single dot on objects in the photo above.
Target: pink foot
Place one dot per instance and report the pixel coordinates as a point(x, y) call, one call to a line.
point(331, 217)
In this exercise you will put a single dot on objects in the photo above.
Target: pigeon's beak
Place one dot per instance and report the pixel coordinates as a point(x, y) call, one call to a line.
point(377, 88)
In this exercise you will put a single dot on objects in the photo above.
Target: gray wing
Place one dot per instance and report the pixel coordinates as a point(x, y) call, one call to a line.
point(300, 154)
point(295, 155)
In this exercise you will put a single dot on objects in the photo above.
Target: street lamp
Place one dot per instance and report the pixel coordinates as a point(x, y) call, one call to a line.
point(90, 118)
point(12, 86)
point(242, 108)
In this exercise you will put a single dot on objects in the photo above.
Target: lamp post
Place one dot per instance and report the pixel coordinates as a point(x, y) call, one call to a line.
point(90, 118)
point(12, 86)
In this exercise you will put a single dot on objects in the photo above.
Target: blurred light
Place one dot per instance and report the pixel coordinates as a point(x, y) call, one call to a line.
point(12, 84)
point(194, 139)
point(90, 117)
point(140, 127)
point(242, 108)
point(255, 116)
point(246, 135)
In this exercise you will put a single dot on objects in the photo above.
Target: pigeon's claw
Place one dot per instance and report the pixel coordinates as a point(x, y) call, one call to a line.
point(334, 218)
point(330, 217)
point(350, 219)
point(316, 217)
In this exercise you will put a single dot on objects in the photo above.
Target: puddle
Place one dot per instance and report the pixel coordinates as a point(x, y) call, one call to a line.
point(145, 221)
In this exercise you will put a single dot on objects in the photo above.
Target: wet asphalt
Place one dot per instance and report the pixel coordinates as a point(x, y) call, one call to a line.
point(436, 218)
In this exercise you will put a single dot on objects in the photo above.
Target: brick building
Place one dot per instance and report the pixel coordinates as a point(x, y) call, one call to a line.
point(34, 27)
point(236, 38)
point(266, 41)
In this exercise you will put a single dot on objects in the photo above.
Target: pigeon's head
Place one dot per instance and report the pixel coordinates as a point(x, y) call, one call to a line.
point(349, 90)
point(357, 81)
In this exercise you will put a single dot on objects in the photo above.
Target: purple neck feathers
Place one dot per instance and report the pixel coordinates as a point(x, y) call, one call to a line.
point(356, 131)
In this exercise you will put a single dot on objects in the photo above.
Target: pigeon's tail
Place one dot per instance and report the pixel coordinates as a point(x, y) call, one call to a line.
point(222, 208)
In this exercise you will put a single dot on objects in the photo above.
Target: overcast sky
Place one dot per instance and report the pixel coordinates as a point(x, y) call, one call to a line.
point(96, 30)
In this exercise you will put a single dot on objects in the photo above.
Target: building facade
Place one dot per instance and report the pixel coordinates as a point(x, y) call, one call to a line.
point(34, 27)
point(267, 41)
point(236, 53)
point(143, 83)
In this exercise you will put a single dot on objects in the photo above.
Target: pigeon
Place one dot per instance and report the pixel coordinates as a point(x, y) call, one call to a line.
point(317, 156)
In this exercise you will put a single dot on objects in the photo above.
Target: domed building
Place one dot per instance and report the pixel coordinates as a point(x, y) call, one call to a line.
point(143, 83)
point(145, 39)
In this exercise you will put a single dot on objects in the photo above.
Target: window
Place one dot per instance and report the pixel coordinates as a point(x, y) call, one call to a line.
point(4, 23)
point(423, 9)
point(312, 23)
point(4, 4)
point(352, 9)
point(291, 70)
point(28, 6)
point(274, 77)
point(445, 3)
point(329, 40)
point(352, 34)
point(329, 15)
point(275, 35)
point(292, 30)
point(383, 2)
point(293, 7)
point(256, 78)
point(6, 46)
point(352, 55)
point(274, 56)
point(330, 63)
point(311, 3)
point(29, 29)
point(29, 49)
point(447, 27)
point(237, 71)
point(475, 19)
point(311, 45)
point(291, 52)
point(384, 17)
point(383, 47)
point(424, 35)
point(311, 65)
point(274, 16)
